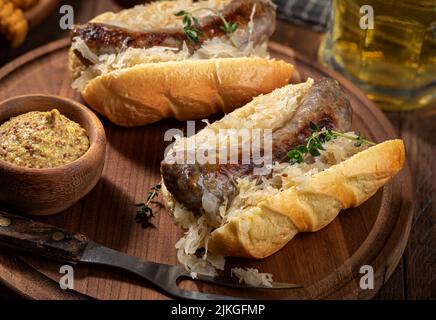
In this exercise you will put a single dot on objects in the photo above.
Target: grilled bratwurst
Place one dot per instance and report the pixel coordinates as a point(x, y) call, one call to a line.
point(104, 38)
point(325, 105)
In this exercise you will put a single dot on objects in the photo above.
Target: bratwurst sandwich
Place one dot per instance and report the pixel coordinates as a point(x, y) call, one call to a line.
point(176, 59)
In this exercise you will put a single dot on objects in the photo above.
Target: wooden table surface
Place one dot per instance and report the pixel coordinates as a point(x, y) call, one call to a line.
point(413, 278)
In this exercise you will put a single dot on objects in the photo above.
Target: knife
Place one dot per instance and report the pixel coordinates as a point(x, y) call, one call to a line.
point(23, 234)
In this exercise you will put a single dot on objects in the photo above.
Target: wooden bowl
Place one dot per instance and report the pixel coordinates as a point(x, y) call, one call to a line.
point(52, 190)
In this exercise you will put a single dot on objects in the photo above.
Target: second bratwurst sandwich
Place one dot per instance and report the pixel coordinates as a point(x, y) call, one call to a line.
point(176, 59)
point(318, 167)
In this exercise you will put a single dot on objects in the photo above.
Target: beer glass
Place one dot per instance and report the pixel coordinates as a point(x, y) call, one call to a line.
point(387, 47)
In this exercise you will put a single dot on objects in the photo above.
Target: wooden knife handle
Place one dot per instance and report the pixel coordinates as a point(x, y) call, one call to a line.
point(22, 234)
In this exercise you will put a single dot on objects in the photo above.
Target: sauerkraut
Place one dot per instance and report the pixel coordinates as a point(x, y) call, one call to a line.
point(253, 277)
point(125, 59)
point(251, 191)
point(264, 112)
point(195, 238)
point(157, 15)
point(104, 63)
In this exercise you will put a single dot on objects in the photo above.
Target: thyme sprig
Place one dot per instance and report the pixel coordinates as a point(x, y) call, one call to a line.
point(192, 28)
point(314, 144)
point(144, 212)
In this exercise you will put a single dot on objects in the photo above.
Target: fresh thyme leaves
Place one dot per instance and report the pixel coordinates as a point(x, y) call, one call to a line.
point(192, 28)
point(314, 143)
point(228, 27)
point(145, 213)
point(296, 155)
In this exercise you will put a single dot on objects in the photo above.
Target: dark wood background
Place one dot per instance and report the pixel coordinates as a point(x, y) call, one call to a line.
point(414, 277)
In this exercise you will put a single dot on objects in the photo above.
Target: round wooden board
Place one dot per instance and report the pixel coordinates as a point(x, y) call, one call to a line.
point(327, 262)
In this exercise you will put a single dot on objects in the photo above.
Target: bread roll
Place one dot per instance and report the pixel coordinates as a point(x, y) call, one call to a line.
point(191, 89)
point(264, 229)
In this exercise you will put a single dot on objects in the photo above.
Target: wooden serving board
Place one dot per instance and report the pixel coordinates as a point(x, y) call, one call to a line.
point(327, 263)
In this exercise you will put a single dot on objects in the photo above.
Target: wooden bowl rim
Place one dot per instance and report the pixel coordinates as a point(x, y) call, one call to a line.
point(96, 127)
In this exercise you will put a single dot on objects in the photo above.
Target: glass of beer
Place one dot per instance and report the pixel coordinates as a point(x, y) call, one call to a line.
point(387, 47)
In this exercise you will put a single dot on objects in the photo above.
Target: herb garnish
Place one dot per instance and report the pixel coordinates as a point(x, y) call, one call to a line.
point(145, 213)
point(192, 28)
point(314, 143)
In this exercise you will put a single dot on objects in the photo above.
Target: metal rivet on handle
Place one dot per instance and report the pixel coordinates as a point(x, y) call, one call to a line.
point(5, 222)
point(58, 236)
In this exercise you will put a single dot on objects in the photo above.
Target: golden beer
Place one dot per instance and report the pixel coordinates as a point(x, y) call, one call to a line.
point(395, 61)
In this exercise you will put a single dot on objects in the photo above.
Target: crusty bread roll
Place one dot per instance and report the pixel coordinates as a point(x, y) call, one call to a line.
point(139, 82)
point(184, 90)
point(264, 229)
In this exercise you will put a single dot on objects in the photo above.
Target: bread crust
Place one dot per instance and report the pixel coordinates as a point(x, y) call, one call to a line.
point(262, 230)
point(185, 90)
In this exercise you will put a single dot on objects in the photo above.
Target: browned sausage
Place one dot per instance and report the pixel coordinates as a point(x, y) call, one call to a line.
point(102, 38)
point(325, 105)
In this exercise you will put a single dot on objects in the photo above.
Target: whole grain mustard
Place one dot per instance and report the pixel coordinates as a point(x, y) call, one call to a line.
point(42, 140)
